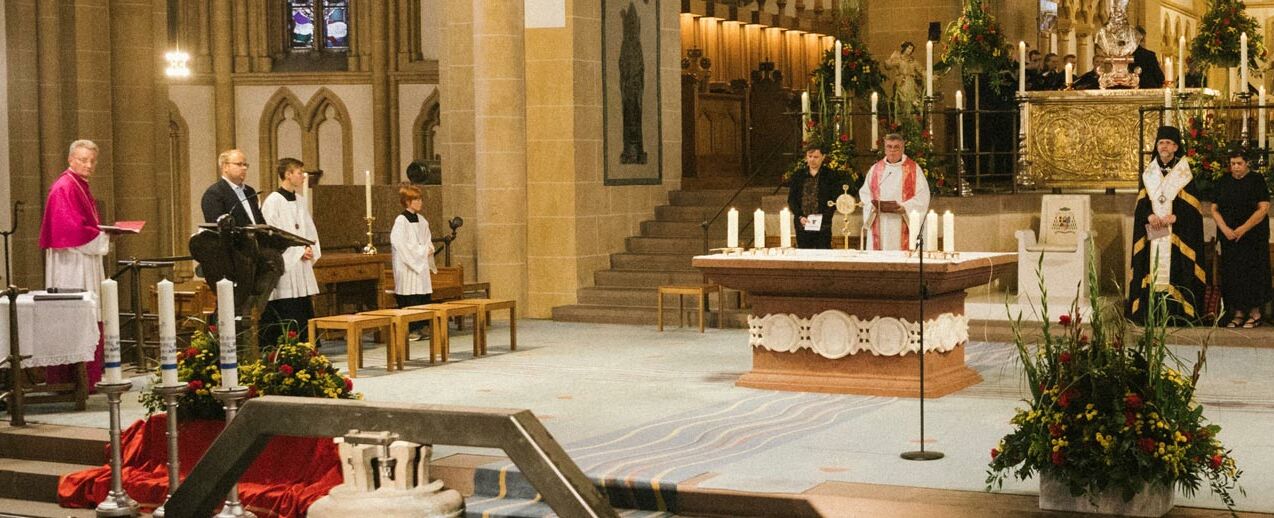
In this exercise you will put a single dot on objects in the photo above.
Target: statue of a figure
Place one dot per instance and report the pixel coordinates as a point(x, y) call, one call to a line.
point(632, 86)
point(904, 72)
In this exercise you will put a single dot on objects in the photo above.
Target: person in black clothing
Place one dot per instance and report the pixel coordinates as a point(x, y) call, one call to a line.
point(230, 195)
point(1146, 60)
point(1241, 203)
point(808, 195)
point(1089, 80)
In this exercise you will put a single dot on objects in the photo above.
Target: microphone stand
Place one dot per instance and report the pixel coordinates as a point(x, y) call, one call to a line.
point(921, 454)
point(15, 397)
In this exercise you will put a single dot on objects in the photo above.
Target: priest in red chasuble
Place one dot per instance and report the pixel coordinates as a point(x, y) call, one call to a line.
point(894, 187)
point(72, 240)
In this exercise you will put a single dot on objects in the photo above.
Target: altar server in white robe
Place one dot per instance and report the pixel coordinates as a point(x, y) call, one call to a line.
point(290, 308)
point(413, 251)
point(894, 187)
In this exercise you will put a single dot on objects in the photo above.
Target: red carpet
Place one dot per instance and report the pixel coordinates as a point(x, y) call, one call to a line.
point(289, 475)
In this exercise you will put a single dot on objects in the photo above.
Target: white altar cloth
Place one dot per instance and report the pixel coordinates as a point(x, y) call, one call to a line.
point(53, 332)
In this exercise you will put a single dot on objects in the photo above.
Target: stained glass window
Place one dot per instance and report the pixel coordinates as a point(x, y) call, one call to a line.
point(318, 24)
point(336, 17)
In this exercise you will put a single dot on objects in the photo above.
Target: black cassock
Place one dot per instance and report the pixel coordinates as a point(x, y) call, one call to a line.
point(1186, 275)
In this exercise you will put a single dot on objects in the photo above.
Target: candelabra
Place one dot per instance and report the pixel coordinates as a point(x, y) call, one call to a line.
point(1024, 180)
point(171, 393)
point(230, 397)
point(1245, 98)
point(117, 502)
point(370, 249)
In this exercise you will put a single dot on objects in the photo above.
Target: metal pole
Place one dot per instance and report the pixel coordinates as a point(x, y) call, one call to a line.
point(924, 294)
point(135, 268)
point(117, 502)
point(170, 395)
point(231, 397)
point(17, 393)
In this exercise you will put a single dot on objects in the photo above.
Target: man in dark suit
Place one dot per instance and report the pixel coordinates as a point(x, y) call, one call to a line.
point(808, 195)
point(230, 195)
point(1148, 62)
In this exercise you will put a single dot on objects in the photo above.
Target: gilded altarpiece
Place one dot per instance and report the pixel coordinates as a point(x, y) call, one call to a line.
point(1088, 138)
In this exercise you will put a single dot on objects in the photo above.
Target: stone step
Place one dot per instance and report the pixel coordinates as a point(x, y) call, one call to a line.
point(670, 245)
point(613, 296)
point(716, 198)
point(679, 229)
point(55, 443)
point(26, 508)
point(644, 315)
point(33, 480)
point(631, 261)
point(645, 278)
point(699, 214)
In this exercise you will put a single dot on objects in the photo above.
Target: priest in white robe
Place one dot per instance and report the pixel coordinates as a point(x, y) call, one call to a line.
point(290, 308)
point(413, 251)
point(73, 241)
point(894, 188)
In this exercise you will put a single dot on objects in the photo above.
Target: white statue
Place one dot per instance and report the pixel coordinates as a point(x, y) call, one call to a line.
point(905, 74)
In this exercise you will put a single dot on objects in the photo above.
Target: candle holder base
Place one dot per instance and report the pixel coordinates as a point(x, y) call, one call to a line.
point(728, 250)
point(231, 397)
point(117, 502)
point(171, 393)
point(370, 249)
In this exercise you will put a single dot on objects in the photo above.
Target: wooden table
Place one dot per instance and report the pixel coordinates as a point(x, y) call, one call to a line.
point(847, 321)
point(342, 268)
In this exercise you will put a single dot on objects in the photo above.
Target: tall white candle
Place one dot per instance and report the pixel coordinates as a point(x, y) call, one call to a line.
point(1167, 106)
point(732, 228)
point(367, 175)
point(167, 334)
point(913, 228)
point(758, 228)
point(229, 354)
point(110, 324)
point(948, 232)
point(1260, 116)
point(785, 228)
point(1242, 62)
point(1181, 62)
point(1070, 74)
point(1021, 67)
point(931, 231)
point(929, 68)
point(305, 193)
point(805, 116)
point(875, 120)
point(1168, 73)
point(959, 120)
point(837, 71)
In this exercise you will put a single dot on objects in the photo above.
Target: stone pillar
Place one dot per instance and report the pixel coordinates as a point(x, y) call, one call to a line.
point(136, 45)
point(222, 66)
point(455, 96)
point(242, 28)
point(380, 94)
point(499, 89)
point(27, 92)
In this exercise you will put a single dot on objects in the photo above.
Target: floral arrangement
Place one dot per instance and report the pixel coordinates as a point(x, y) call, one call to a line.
point(1204, 140)
point(975, 42)
point(1218, 41)
point(294, 369)
point(1112, 412)
point(919, 148)
point(860, 73)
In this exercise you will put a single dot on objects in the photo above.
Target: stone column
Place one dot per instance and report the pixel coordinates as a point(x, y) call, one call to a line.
point(242, 28)
point(222, 66)
point(135, 42)
point(499, 89)
point(455, 95)
point(380, 94)
point(27, 92)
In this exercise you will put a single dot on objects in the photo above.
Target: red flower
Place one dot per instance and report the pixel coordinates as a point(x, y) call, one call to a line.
point(1064, 320)
point(811, 123)
point(1058, 458)
point(844, 137)
point(291, 334)
point(1130, 418)
point(995, 452)
point(212, 329)
point(1065, 357)
point(195, 384)
point(274, 356)
point(349, 385)
point(191, 352)
point(979, 38)
point(1191, 153)
point(1064, 400)
point(1146, 444)
point(1216, 461)
point(844, 51)
point(1054, 430)
point(1083, 339)
point(1133, 401)
point(252, 391)
point(964, 27)
point(285, 369)
point(1194, 132)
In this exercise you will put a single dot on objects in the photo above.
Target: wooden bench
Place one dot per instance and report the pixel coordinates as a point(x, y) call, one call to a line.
point(485, 307)
point(401, 320)
point(699, 291)
point(354, 326)
point(443, 312)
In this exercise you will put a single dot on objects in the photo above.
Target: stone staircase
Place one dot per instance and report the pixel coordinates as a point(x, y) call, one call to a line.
point(660, 255)
point(32, 458)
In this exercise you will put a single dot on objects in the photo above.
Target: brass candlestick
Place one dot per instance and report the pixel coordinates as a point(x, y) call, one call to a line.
point(370, 249)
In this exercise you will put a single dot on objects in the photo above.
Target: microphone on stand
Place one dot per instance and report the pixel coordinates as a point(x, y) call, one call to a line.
point(922, 454)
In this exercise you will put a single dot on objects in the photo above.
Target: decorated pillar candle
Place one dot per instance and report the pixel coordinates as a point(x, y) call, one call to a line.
point(167, 334)
point(1168, 72)
point(758, 228)
point(1242, 62)
point(913, 228)
point(229, 354)
point(732, 228)
point(959, 105)
point(948, 232)
point(929, 68)
point(1260, 116)
point(931, 231)
point(805, 116)
point(875, 120)
point(1181, 62)
point(367, 176)
point(785, 228)
point(110, 325)
point(1070, 74)
point(837, 71)
point(1021, 67)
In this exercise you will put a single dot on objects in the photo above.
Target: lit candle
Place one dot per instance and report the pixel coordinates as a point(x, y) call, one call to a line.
point(805, 116)
point(948, 232)
point(758, 228)
point(931, 230)
point(367, 175)
point(1021, 67)
point(959, 120)
point(913, 229)
point(875, 120)
point(110, 324)
point(1167, 106)
point(785, 228)
point(167, 334)
point(1168, 72)
point(929, 68)
point(1242, 62)
point(226, 334)
point(1070, 74)
point(1181, 58)
point(732, 229)
point(1260, 116)
point(837, 71)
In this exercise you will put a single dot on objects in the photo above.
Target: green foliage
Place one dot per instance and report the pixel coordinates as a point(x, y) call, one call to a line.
point(1218, 41)
point(976, 44)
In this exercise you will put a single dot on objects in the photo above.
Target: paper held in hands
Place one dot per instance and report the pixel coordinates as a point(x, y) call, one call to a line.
point(813, 222)
point(123, 227)
point(1153, 233)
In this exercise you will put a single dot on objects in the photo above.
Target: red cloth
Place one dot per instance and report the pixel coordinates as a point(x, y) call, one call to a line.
point(289, 475)
point(909, 168)
point(70, 214)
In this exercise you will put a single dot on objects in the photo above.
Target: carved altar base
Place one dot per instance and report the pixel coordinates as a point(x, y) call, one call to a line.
point(846, 321)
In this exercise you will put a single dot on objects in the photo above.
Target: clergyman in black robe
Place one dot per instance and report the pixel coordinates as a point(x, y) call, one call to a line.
point(1167, 239)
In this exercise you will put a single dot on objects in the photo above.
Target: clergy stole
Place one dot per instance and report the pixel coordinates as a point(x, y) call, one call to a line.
point(909, 168)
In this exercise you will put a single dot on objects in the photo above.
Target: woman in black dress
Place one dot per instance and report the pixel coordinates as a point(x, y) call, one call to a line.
point(1242, 201)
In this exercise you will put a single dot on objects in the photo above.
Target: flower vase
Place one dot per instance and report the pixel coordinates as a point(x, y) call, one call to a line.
point(1152, 500)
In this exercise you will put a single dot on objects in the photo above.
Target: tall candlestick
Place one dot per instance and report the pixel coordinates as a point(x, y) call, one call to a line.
point(758, 228)
point(931, 231)
point(1242, 62)
point(785, 228)
point(167, 334)
point(1234, 81)
point(367, 175)
point(1070, 74)
point(875, 121)
point(1167, 106)
point(1021, 67)
point(929, 68)
point(837, 71)
point(948, 232)
point(1260, 116)
point(1168, 71)
point(229, 354)
point(1181, 62)
point(110, 324)
point(913, 229)
point(732, 229)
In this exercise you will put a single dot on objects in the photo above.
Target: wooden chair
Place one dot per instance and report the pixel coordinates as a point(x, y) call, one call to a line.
point(699, 291)
point(402, 319)
point(485, 307)
point(443, 312)
point(354, 326)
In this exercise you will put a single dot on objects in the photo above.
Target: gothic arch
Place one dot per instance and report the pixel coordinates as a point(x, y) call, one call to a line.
point(425, 128)
point(274, 114)
point(314, 116)
point(180, 227)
